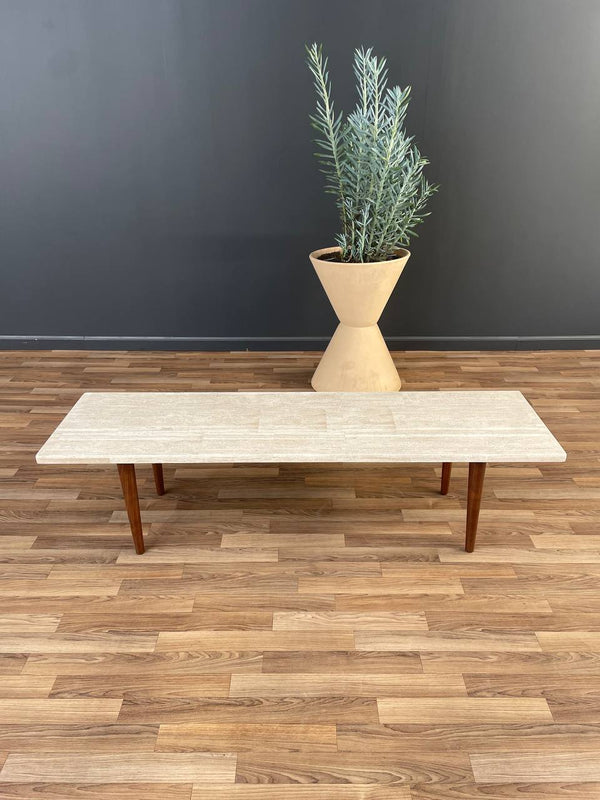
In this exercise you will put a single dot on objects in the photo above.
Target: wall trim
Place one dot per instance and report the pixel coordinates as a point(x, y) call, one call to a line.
point(220, 343)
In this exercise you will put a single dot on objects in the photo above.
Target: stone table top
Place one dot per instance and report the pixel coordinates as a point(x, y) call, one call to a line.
point(252, 427)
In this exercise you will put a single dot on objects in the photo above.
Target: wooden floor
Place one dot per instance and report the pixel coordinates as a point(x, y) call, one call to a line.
point(317, 630)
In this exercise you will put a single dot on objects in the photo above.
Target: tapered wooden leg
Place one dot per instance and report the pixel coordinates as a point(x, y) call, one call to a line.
point(476, 476)
point(446, 472)
point(159, 481)
point(132, 504)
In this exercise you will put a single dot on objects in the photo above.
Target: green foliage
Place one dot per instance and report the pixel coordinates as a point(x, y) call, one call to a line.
point(372, 166)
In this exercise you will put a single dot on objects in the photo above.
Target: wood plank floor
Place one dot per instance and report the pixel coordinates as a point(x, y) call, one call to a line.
point(299, 632)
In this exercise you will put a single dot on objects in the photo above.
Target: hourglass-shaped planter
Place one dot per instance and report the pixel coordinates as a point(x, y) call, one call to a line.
point(357, 358)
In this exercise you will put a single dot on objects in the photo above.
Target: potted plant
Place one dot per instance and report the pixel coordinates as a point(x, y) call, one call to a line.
point(375, 170)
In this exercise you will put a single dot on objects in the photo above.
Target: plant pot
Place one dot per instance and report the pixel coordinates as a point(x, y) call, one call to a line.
point(357, 358)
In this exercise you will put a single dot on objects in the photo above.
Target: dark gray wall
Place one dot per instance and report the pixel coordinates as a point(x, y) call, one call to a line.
point(157, 177)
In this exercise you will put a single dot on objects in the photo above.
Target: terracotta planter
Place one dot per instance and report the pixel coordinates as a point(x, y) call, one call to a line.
point(357, 358)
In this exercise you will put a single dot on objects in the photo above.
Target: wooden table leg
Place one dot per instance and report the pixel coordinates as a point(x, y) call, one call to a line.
point(132, 504)
point(159, 481)
point(476, 476)
point(446, 472)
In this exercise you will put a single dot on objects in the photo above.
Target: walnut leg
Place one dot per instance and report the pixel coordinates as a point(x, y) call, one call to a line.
point(446, 472)
point(132, 504)
point(159, 481)
point(476, 476)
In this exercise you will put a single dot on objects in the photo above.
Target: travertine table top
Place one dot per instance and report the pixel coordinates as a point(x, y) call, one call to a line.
point(238, 427)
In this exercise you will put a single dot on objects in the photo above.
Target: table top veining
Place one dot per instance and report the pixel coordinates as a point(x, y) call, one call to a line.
point(248, 427)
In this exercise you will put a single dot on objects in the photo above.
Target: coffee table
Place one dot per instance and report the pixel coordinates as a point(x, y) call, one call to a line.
point(129, 428)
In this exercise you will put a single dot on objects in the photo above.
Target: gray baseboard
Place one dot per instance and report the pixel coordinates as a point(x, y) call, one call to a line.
point(257, 343)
